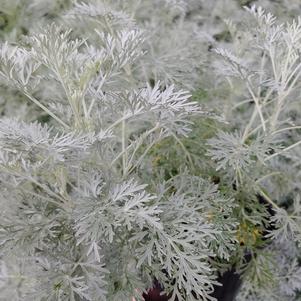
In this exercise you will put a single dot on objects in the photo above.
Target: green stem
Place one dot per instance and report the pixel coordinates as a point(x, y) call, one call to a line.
point(269, 200)
point(123, 143)
point(34, 100)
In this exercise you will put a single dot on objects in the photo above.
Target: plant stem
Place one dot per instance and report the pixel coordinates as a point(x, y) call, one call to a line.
point(123, 143)
point(33, 99)
point(283, 150)
point(269, 200)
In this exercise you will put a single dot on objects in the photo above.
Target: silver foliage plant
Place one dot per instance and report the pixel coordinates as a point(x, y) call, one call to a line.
point(260, 150)
point(88, 212)
point(78, 222)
